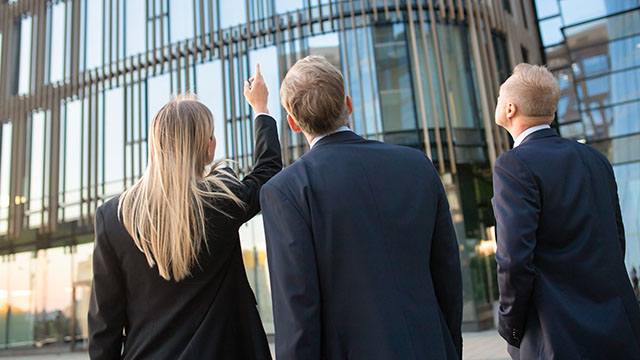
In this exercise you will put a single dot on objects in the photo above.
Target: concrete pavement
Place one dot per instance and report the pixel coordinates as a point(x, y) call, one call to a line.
point(484, 345)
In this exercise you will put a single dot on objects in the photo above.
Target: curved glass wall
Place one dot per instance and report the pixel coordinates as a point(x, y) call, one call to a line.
point(84, 78)
point(596, 57)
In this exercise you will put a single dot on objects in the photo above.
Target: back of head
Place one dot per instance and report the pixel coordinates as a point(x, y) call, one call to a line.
point(164, 210)
point(533, 89)
point(313, 93)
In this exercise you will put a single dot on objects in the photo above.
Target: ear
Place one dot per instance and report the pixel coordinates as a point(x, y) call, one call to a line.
point(349, 104)
point(292, 124)
point(511, 110)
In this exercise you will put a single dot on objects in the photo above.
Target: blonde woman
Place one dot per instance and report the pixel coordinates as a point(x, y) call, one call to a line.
point(168, 276)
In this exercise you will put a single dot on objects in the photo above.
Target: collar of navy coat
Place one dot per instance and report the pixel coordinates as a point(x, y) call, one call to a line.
point(338, 137)
point(540, 134)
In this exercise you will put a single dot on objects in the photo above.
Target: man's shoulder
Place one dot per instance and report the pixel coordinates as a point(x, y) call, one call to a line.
point(280, 180)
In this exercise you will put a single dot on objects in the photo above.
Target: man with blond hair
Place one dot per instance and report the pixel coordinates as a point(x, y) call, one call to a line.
point(564, 289)
point(363, 257)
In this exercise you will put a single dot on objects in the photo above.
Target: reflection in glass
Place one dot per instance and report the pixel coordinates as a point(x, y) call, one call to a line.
point(611, 28)
point(4, 294)
point(550, 31)
point(52, 298)
point(82, 273)
point(575, 11)
point(254, 255)
point(620, 150)
point(394, 82)
point(458, 71)
point(20, 311)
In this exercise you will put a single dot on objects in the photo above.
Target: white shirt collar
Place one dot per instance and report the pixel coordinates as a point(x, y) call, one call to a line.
point(528, 132)
point(318, 138)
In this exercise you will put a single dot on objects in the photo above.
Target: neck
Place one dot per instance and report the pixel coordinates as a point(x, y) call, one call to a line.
point(311, 137)
point(518, 127)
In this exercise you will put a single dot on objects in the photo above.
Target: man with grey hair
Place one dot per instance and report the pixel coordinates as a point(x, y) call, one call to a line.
point(363, 257)
point(564, 289)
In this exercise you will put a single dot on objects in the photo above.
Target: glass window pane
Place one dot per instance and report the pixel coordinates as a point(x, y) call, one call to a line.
point(394, 81)
point(254, 254)
point(624, 53)
point(546, 8)
point(4, 304)
point(598, 31)
point(71, 158)
point(550, 31)
point(283, 6)
point(575, 11)
point(620, 150)
point(5, 175)
point(181, 19)
point(24, 74)
point(94, 39)
point(38, 125)
point(21, 299)
point(83, 273)
point(572, 131)
point(612, 121)
point(114, 136)
point(232, 13)
point(595, 65)
point(52, 296)
point(268, 59)
point(158, 93)
point(135, 15)
point(458, 72)
point(612, 88)
point(209, 85)
point(57, 45)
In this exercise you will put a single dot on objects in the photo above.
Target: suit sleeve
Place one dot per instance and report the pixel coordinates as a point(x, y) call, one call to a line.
point(294, 277)
point(619, 223)
point(615, 200)
point(107, 305)
point(616, 207)
point(445, 269)
point(267, 159)
point(516, 204)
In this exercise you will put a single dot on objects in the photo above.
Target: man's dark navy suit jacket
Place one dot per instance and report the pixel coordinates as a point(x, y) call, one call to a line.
point(363, 258)
point(564, 289)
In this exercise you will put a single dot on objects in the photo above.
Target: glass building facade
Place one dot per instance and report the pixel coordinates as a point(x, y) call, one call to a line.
point(81, 79)
point(593, 47)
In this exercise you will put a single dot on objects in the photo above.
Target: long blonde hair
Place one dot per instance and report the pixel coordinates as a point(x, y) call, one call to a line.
point(164, 210)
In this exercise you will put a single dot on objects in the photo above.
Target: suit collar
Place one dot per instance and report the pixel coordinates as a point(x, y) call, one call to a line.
point(540, 134)
point(338, 137)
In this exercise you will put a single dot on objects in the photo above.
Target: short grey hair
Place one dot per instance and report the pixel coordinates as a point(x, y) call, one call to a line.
point(313, 93)
point(533, 89)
